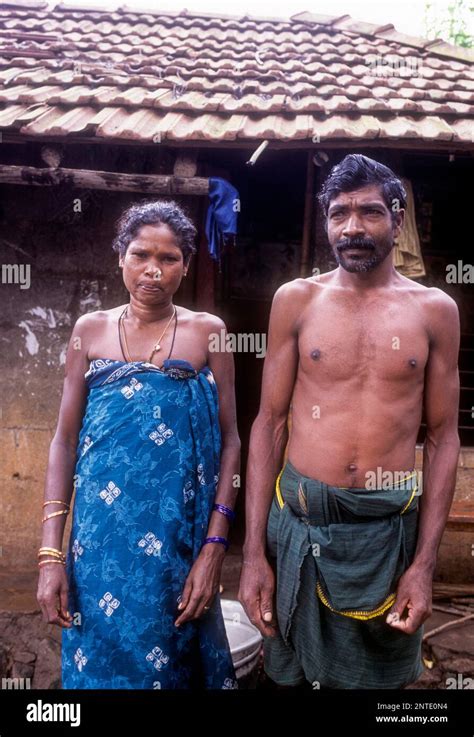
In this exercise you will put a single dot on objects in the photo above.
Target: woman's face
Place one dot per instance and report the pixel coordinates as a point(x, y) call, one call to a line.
point(153, 265)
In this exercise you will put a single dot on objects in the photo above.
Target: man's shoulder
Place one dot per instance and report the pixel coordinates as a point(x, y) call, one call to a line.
point(440, 298)
point(433, 297)
point(440, 311)
point(299, 288)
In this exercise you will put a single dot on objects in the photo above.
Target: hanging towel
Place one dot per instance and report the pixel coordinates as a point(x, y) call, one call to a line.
point(221, 218)
point(407, 256)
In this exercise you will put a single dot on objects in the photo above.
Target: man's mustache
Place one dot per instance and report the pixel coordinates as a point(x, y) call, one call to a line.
point(367, 244)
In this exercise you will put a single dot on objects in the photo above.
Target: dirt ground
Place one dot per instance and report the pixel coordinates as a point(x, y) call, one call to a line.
point(30, 648)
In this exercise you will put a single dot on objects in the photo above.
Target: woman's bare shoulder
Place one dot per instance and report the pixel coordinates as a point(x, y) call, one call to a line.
point(98, 317)
point(203, 320)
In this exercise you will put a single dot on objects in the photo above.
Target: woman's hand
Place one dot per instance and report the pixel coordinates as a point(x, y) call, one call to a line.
point(52, 595)
point(202, 583)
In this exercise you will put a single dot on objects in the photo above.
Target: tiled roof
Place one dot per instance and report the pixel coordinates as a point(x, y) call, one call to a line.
point(148, 75)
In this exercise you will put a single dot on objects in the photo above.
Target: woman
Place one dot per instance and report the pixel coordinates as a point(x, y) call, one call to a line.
point(147, 435)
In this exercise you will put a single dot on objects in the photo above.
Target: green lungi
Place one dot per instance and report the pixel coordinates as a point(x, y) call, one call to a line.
point(339, 554)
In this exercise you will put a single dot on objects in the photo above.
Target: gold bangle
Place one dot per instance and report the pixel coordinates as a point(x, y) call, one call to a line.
point(59, 560)
point(43, 562)
point(53, 550)
point(56, 501)
point(56, 560)
point(51, 553)
point(56, 514)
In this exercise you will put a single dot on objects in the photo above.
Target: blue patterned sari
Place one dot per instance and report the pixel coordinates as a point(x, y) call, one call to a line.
point(146, 475)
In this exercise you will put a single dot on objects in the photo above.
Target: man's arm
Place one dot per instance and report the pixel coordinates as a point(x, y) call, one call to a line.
point(441, 447)
point(268, 440)
point(440, 458)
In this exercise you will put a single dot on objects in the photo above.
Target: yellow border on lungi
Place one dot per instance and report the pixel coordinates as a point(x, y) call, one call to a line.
point(358, 614)
point(353, 614)
point(410, 499)
point(281, 501)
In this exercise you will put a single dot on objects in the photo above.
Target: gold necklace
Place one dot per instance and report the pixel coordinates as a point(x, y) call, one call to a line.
point(157, 346)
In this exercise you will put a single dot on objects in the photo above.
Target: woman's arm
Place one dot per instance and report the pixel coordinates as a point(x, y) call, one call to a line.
point(203, 582)
point(60, 471)
point(222, 367)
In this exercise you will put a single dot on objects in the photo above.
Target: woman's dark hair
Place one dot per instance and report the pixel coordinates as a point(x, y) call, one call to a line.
point(159, 212)
point(355, 171)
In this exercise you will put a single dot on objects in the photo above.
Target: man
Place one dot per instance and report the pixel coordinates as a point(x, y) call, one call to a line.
point(354, 537)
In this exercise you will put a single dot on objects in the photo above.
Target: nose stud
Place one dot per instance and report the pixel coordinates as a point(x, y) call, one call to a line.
point(157, 275)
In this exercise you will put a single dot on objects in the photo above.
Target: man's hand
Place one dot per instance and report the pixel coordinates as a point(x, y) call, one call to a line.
point(413, 603)
point(257, 585)
point(202, 583)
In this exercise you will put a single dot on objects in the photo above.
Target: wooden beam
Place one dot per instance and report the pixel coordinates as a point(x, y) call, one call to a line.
point(108, 180)
point(421, 147)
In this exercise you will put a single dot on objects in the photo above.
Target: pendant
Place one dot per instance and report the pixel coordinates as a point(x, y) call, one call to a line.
point(157, 347)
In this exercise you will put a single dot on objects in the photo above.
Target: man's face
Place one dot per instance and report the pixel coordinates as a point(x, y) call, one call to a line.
point(360, 228)
point(153, 264)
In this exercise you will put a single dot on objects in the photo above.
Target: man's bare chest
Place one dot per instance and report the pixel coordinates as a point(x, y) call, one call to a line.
point(388, 342)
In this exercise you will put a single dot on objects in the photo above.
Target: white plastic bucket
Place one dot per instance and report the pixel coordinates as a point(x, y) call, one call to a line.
point(244, 638)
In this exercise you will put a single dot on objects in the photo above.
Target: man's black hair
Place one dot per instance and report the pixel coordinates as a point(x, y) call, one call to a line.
point(355, 171)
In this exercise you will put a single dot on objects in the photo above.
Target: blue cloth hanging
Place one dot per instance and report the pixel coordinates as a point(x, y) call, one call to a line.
point(221, 218)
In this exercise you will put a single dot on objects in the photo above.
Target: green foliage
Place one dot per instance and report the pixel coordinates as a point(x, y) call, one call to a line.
point(450, 22)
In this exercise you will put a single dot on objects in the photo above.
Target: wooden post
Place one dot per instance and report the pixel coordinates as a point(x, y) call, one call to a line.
point(307, 218)
point(205, 268)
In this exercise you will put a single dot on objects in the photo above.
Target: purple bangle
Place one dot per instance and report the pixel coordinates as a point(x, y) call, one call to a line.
point(226, 511)
point(216, 539)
